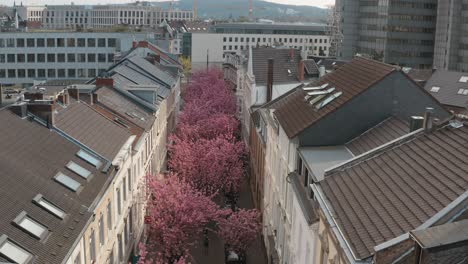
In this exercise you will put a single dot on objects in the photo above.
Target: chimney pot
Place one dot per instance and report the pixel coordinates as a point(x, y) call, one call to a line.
point(428, 119)
point(300, 71)
point(416, 122)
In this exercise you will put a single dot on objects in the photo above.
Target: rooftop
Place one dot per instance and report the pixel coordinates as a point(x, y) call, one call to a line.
point(442, 235)
point(449, 88)
point(285, 67)
point(393, 190)
point(31, 157)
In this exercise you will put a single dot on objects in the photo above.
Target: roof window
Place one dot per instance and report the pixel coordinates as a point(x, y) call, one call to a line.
point(13, 252)
point(462, 91)
point(30, 226)
point(48, 206)
point(463, 79)
point(89, 158)
point(328, 100)
point(78, 170)
point(67, 181)
point(435, 89)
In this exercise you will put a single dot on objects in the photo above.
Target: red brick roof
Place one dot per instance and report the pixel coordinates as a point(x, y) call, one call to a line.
point(353, 78)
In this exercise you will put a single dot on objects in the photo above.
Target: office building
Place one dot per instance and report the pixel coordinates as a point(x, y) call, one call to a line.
point(395, 32)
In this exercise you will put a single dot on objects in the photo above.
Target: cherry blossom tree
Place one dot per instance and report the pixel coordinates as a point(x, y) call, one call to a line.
point(220, 125)
point(209, 165)
point(178, 213)
point(239, 229)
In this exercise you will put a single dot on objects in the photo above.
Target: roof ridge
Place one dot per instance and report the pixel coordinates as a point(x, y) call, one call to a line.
point(107, 118)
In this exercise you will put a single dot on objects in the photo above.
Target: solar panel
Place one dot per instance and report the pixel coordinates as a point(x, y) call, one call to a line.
point(89, 158)
point(323, 86)
point(67, 182)
point(78, 169)
point(328, 100)
point(435, 89)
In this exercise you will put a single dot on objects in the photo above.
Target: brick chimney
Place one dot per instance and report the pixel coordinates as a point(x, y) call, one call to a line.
point(43, 111)
point(157, 58)
point(428, 119)
point(300, 70)
point(104, 81)
point(134, 44)
point(269, 91)
point(74, 93)
point(292, 54)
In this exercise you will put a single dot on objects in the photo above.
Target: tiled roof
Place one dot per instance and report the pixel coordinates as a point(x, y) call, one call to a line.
point(353, 78)
point(392, 191)
point(30, 156)
point(442, 235)
point(386, 131)
point(449, 87)
point(282, 63)
point(92, 129)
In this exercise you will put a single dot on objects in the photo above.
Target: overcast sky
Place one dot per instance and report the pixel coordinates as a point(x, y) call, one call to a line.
point(321, 3)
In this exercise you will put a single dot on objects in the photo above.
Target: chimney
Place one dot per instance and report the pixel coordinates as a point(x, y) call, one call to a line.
point(157, 58)
point(134, 44)
point(91, 98)
point(74, 93)
point(416, 122)
point(104, 81)
point(428, 116)
point(21, 109)
point(291, 55)
point(271, 62)
point(322, 71)
point(300, 71)
point(43, 111)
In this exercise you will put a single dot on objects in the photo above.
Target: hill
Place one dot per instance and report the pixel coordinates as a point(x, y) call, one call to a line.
point(226, 9)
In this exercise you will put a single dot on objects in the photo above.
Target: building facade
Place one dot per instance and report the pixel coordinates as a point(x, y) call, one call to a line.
point(451, 47)
point(211, 42)
point(100, 16)
point(400, 32)
point(28, 57)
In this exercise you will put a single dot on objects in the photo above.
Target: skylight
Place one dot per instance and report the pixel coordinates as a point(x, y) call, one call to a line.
point(328, 100)
point(48, 206)
point(463, 91)
point(463, 79)
point(435, 89)
point(78, 169)
point(89, 158)
point(323, 86)
point(13, 252)
point(321, 92)
point(67, 181)
point(30, 226)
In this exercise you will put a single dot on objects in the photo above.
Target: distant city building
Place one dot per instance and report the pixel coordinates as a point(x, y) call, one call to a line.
point(395, 32)
point(451, 44)
point(211, 42)
point(101, 16)
point(26, 57)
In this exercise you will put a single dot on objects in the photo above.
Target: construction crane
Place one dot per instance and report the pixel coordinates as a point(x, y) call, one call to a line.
point(195, 9)
point(251, 10)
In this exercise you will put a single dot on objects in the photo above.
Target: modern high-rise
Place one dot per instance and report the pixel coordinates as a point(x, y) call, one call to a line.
point(397, 32)
point(451, 44)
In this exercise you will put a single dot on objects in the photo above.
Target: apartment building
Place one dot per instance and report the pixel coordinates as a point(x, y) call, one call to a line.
point(29, 57)
point(313, 127)
point(119, 136)
point(395, 32)
point(101, 16)
point(212, 42)
point(450, 52)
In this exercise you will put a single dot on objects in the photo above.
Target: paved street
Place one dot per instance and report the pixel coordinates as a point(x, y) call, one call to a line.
point(214, 254)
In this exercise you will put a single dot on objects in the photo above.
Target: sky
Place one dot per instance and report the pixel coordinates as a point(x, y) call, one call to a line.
point(320, 3)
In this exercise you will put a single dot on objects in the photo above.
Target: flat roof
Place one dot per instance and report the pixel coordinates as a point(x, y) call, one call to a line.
point(318, 159)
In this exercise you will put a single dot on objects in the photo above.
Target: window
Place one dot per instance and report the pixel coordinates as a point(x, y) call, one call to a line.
point(91, 72)
point(91, 42)
point(2, 73)
point(129, 176)
point(31, 58)
point(78, 169)
point(30, 225)
point(70, 42)
point(77, 259)
point(30, 42)
point(31, 73)
point(89, 158)
point(67, 181)
point(48, 206)
point(50, 42)
point(51, 57)
point(111, 42)
point(41, 73)
point(92, 246)
point(81, 42)
point(11, 73)
point(21, 73)
point(462, 92)
point(60, 42)
point(11, 58)
point(10, 43)
point(51, 73)
point(306, 177)
point(101, 42)
point(110, 57)
point(101, 230)
point(109, 215)
point(72, 73)
point(124, 188)
point(119, 238)
point(2, 43)
point(81, 73)
point(20, 58)
point(101, 57)
point(20, 43)
point(71, 57)
point(119, 202)
point(61, 73)
point(91, 57)
point(13, 252)
point(81, 57)
point(40, 57)
point(435, 89)
point(2, 58)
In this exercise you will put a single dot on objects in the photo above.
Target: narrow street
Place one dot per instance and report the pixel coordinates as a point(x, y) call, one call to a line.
point(214, 254)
